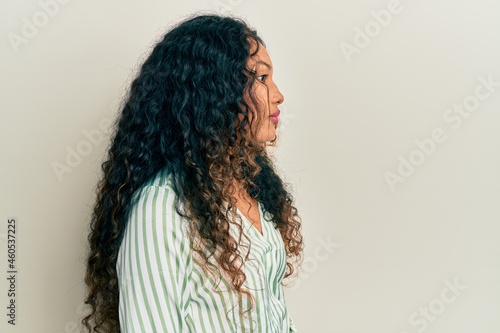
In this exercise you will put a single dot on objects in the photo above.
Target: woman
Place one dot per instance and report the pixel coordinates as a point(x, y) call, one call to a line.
point(193, 230)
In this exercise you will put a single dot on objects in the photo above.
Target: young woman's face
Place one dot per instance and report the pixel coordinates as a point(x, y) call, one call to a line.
point(267, 96)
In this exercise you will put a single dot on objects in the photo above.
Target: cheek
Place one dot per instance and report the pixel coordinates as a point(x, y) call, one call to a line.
point(258, 106)
point(261, 104)
point(261, 95)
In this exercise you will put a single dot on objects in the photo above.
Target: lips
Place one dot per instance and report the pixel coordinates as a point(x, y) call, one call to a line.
point(274, 117)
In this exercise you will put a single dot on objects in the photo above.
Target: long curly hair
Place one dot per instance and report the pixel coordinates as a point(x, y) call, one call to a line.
point(185, 112)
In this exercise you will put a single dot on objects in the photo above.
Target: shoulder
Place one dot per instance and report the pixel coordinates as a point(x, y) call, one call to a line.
point(161, 179)
point(154, 213)
point(156, 198)
point(161, 182)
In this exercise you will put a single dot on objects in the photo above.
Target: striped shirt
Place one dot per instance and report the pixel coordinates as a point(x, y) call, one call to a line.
point(163, 289)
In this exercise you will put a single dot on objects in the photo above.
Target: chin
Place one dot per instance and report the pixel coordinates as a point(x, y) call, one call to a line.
point(267, 136)
point(270, 138)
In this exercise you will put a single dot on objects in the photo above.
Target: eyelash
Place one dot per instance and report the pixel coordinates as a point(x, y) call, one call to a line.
point(264, 76)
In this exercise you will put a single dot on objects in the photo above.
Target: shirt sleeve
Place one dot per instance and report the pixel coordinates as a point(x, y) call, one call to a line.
point(153, 265)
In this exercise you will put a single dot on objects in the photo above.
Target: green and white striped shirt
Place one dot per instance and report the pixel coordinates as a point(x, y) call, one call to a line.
point(163, 289)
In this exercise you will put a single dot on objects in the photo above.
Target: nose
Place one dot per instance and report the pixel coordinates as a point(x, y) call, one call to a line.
point(277, 96)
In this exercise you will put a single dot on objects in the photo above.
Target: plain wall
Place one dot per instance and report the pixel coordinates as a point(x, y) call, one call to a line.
point(389, 135)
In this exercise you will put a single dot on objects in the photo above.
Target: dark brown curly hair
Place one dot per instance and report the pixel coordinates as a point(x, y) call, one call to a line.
point(185, 112)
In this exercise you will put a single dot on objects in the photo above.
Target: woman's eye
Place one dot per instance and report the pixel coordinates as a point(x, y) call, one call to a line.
point(262, 78)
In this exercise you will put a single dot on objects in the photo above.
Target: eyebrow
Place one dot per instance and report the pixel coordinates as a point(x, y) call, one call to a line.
point(265, 64)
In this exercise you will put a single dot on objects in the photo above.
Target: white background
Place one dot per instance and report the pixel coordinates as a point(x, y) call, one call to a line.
point(376, 254)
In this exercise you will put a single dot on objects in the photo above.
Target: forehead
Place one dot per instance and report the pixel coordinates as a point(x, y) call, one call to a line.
point(262, 58)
